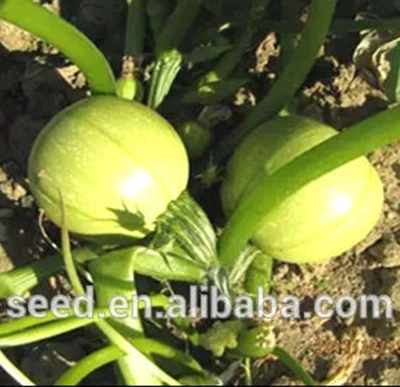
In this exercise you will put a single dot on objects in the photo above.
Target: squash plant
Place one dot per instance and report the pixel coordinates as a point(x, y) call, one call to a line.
point(114, 172)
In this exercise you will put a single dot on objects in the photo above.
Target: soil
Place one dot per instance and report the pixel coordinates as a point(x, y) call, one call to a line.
point(36, 82)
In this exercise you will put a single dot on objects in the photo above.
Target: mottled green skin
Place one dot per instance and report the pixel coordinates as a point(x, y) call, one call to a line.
point(323, 219)
point(112, 160)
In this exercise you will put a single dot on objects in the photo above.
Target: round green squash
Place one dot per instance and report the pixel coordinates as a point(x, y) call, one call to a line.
point(323, 219)
point(117, 165)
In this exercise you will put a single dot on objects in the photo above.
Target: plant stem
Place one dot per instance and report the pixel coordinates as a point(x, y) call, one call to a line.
point(288, 41)
point(120, 271)
point(19, 325)
point(67, 254)
point(178, 25)
point(208, 84)
point(135, 28)
point(301, 62)
point(169, 59)
point(229, 61)
point(148, 263)
point(158, 13)
point(74, 375)
point(210, 88)
point(294, 366)
point(45, 331)
point(14, 371)
point(247, 372)
point(72, 43)
point(20, 281)
point(142, 363)
point(30, 328)
point(130, 373)
point(108, 354)
point(338, 26)
point(358, 140)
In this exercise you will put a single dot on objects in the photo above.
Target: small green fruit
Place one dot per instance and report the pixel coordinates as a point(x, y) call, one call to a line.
point(130, 88)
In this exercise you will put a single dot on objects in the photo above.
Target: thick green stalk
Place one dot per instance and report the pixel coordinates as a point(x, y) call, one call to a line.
point(34, 328)
point(72, 43)
point(178, 25)
point(18, 282)
point(169, 59)
point(338, 26)
point(119, 270)
point(208, 85)
point(111, 353)
point(290, 10)
point(46, 331)
point(294, 366)
point(60, 327)
point(142, 363)
point(135, 27)
point(130, 373)
point(301, 62)
point(74, 375)
point(356, 141)
point(229, 61)
point(28, 322)
point(210, 88)
point(158, 14)
point(148, 262)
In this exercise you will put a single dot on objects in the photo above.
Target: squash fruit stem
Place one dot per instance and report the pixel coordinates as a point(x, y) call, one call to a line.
point(185, 229)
